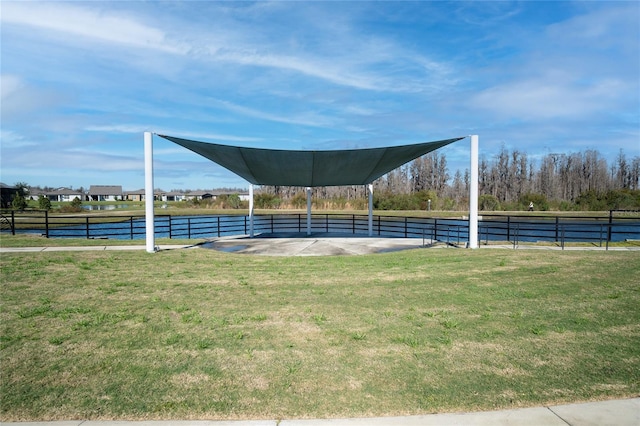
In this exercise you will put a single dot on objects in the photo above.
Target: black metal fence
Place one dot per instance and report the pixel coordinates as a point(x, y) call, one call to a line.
point(617, 226)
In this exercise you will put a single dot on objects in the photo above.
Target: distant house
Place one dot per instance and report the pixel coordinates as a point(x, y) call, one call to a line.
point(244, 196)
point(140, 195)
point(137, 195)
point(6, 195)
point(173, 196)
point(60, 194)
point(105, 193)
point(200, 195)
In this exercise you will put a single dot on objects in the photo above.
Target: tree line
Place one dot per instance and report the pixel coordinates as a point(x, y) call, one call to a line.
point(510, 180)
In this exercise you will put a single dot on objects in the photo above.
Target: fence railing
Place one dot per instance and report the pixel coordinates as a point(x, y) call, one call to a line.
point(514, 229)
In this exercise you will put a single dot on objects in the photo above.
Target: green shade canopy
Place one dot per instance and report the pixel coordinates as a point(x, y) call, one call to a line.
point(310, 168)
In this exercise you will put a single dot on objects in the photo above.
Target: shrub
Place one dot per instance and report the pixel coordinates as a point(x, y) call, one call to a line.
point(299, 201)
point(611, 200)
point(44, 203)
point(74, 206)
point(231, 201)
point(266, 201)
point(76, 203)
point(19, 202)
point(487, 202)
point(539, 202)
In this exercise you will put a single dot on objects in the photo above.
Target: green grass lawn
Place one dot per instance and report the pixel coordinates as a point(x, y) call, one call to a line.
point(201, 334)
point(33, 240)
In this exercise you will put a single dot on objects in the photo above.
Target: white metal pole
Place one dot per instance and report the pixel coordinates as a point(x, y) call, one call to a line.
point(308, 210)
point(370, 188)
point(148, 192)
point(473, 194)
point(251, 210)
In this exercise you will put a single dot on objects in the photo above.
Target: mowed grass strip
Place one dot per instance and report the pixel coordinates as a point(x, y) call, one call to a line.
point(37, 240)
point(200, 334)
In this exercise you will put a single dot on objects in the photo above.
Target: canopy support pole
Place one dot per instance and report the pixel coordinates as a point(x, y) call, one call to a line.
point(473, 195)
point(148, 192)
point(370, 188)
point(308, 210)
point(250, 210)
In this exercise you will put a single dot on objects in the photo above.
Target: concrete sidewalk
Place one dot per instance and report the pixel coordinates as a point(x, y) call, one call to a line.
point(624, 412)
point(306, 246)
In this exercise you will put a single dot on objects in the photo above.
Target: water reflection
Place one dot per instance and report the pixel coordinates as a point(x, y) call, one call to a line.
point(105, 206)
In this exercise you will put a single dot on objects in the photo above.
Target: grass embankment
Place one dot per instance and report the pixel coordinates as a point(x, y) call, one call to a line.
point(199, 334)
point(33, 240)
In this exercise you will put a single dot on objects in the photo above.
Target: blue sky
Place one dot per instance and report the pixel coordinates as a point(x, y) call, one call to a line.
point(82, 81)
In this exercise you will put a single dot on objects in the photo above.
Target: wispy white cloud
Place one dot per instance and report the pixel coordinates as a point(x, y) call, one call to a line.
point(87, 22)
point(596, 27)
point(323, 69)
point(80, 159)
point(10, 85)
point(11, 139)
point(139, 129)
point(537, 99)
point(19, 98)
point(572, 73)
point(90, 77)
point(486, 13)
point(366, 62)
point(306, 119)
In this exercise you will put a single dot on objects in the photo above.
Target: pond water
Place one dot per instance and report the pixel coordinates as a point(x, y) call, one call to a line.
point(450, 230)
point(105, 207)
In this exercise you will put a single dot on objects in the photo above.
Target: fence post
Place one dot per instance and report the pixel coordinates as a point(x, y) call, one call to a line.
point(218, 222)
point(245, 224)
point(610, 223)
point(189, 228)
point(353, 224)
point(601, 228)
point(435, 230)
point(86, 226)
point(509, 228)
point(131, 227)
point(13, 222)
point(46, 224)
point(405, 227)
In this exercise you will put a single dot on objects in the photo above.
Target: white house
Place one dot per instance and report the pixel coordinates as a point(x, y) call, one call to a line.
point(105, 193)
point(64, 194)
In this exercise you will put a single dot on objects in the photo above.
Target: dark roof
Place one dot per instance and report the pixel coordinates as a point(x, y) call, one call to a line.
point(61, 191)
point(105, 190)
point(310, 168)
